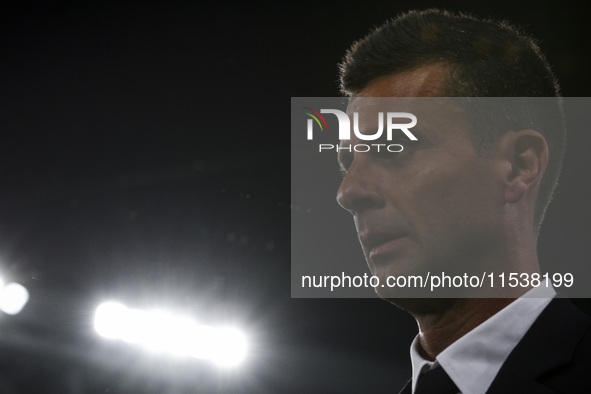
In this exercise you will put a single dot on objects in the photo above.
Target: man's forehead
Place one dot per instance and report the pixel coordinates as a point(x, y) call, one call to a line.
point(423, 81)
point(431, 112)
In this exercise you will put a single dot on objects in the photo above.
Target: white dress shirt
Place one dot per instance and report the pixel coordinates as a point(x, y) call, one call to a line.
point(474, 360)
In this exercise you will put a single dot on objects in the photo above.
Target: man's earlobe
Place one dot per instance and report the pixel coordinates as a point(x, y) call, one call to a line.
point(528, 154)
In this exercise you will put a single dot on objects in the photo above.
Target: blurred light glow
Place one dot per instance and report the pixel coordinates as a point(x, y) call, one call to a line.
point(164, 332)
point(230, 347)
point(13, 298)
point(107, 319)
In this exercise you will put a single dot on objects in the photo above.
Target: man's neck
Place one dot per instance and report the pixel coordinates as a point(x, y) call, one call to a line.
point(443, 321)
point(448, 320)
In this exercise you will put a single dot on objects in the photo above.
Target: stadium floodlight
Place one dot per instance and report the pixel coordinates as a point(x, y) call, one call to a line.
point(164, 332)
point(13, 298)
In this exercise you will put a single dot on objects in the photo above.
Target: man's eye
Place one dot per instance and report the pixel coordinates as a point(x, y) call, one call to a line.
point(392, 151)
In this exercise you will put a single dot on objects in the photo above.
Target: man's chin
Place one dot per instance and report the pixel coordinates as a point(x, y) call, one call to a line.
point(422, 306)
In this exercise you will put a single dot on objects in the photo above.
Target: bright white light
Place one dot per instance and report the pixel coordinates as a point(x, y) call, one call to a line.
point(163, 332)
point(107, 319)
point(230, 347)
point(13, 298)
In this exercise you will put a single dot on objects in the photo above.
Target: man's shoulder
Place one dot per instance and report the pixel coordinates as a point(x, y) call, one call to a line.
point(554, 355)
point(574, 376)
point(583, 349)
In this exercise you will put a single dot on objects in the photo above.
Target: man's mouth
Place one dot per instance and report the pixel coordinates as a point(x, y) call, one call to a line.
point(377, 245)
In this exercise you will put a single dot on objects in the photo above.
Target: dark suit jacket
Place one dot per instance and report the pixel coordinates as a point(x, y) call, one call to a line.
point(554, 356)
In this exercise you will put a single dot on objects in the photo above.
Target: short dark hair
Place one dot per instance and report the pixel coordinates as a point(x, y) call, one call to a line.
point(485, 58)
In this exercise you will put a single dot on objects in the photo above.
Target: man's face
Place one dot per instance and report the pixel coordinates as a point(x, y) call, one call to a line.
point(437, 205)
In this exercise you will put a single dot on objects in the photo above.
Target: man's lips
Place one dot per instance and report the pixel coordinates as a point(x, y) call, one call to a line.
point(376, 244)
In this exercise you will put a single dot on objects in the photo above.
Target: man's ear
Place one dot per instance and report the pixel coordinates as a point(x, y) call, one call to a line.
point(527, 152)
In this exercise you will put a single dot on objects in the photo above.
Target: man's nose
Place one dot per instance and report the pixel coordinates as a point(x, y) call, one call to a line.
point(359, 190)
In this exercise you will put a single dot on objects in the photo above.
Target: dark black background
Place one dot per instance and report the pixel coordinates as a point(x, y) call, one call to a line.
point(145, 158)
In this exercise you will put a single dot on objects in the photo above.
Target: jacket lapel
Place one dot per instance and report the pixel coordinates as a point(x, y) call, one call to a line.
point(407, 389)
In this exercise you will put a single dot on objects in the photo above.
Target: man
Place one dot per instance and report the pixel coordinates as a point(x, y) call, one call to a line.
point(475, 193)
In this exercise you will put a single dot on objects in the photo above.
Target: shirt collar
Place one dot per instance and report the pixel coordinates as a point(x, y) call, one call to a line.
point(474, 360)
